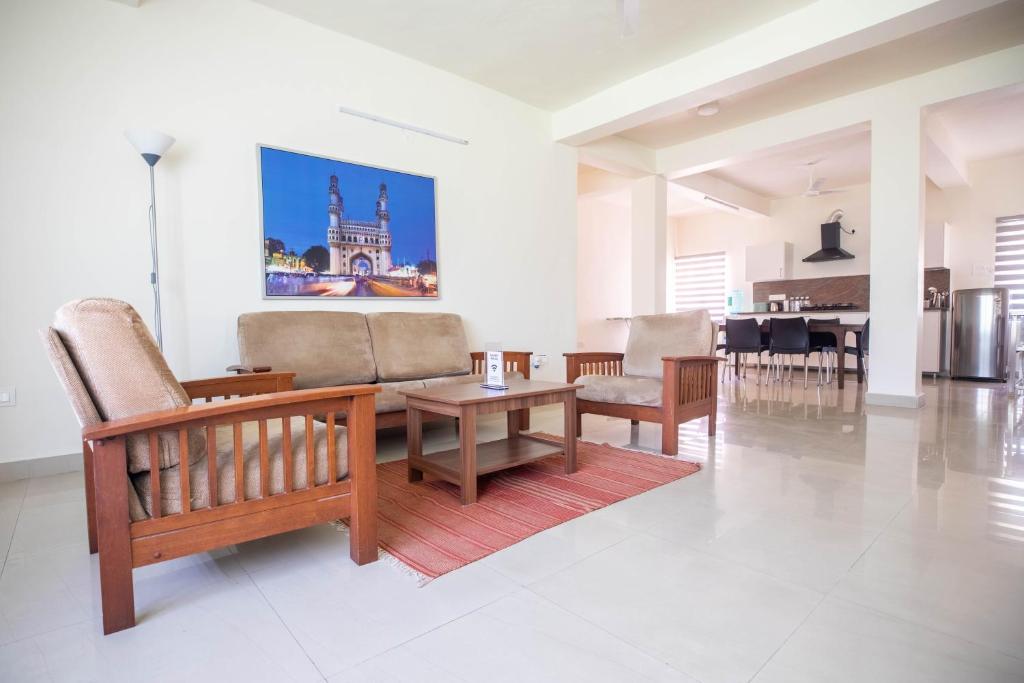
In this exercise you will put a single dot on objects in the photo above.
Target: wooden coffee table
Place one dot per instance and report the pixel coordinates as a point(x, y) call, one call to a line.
point(462, 465)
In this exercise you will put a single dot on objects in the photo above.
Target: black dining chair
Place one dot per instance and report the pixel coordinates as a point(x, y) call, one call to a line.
point(788, 337)
point(826, 346)
point(861, 350)
point(743, 336)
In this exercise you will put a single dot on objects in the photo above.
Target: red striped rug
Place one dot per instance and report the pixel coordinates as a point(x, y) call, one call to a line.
point(425, 527)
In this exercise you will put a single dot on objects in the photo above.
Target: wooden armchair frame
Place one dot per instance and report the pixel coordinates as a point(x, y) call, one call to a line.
point(515, 361)
point(689, 391)
point(123, 544)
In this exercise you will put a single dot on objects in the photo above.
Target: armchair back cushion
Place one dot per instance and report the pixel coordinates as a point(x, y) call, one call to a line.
point(121, 368)
point(651, 337)
point(418, 345)
point(322, 348)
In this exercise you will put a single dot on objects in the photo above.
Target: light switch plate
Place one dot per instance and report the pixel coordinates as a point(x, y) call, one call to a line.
point(8, 397)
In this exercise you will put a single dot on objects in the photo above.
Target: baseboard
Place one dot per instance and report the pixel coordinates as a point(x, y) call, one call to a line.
point(894, 400)
point(40, 467)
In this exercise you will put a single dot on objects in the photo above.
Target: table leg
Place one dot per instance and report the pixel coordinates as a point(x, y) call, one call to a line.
point(414, 436)
point(514, 419)
point(840, 356)
point(467, 455)
point(569, 431)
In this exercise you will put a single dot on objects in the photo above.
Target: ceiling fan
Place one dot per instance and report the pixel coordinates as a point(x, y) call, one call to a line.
point(814, 188)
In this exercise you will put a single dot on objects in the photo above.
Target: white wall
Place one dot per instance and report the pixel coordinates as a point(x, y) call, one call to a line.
point(793, 219)
point(603, 272)
point(996, 190)
point(223, 76)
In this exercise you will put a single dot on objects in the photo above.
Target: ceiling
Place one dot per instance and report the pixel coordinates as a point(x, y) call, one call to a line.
point(995, 28)
point(550, 53)
point(982, 127)
point(843, 162)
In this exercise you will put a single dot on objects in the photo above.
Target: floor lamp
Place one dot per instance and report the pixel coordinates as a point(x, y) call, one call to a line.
point(151, 145)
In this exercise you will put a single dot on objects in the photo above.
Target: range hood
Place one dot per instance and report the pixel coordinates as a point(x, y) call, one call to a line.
point(830, 250)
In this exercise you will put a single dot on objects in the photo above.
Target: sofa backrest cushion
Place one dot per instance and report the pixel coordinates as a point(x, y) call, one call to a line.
point(418, 345)
point(322, 348)
point(67, 373)
point(122, 370)
point(651, 337)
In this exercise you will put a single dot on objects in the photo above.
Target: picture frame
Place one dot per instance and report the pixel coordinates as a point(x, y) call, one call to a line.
point(314, 247)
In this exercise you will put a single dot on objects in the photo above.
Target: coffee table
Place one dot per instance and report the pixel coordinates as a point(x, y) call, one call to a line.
point(462, 465)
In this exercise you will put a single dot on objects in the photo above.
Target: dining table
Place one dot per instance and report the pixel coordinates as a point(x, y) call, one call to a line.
point(840, 330)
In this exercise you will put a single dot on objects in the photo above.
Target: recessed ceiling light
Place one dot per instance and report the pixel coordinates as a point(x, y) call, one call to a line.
point(708, 109)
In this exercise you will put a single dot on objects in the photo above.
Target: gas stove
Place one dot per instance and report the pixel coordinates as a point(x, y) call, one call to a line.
point(829, 307)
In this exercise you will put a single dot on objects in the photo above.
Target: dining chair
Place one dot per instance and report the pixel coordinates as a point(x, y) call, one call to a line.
point(788, 337)
point(743, 336)
point(826, 346)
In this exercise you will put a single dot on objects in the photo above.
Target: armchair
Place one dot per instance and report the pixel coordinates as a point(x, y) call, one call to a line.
point(167, 477)
point(667, 375)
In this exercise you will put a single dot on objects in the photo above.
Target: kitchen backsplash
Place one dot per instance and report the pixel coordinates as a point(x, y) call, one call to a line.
point(843, 289)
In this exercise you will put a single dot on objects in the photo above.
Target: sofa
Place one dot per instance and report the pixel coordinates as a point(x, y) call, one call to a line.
point(668, 374)
point(396, 350)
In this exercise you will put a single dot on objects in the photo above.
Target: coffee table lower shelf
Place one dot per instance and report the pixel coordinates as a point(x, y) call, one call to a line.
point(491, 456)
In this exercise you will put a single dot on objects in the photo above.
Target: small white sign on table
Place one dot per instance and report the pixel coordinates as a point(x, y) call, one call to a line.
point(494, 370)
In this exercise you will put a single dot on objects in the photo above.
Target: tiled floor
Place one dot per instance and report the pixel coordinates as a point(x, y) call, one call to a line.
point(822, 542)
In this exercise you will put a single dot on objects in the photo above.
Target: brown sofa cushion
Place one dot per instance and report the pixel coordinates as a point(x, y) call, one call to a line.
point(124, 372)
point(199, 483)
point(637, 391)
point(322, 348)
point(651, 337)
point(418, 345)
point(81, 402)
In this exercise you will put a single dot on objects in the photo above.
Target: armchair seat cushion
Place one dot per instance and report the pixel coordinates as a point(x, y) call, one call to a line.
point(624, 389)
point(199, 483)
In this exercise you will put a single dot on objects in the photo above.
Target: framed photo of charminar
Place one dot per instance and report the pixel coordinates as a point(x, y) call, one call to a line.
point(334, 228)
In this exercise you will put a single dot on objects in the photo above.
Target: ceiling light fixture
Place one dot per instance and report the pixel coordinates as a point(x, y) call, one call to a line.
point(403, 126)
point(727, 205)
point(708, 109)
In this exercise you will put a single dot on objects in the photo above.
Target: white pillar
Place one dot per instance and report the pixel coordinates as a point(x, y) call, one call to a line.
point(648, 234)
point(897, 257)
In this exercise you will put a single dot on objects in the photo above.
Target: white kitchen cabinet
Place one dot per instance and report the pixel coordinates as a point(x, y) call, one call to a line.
point(936, 244)
point(933, 346)
point(769, 261)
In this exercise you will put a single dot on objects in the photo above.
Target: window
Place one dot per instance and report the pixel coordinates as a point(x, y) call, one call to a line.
point(700, 283)
point(1009, 264)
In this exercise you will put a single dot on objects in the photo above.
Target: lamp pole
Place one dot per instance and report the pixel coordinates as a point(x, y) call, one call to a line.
point(151, 145)
point(154, 276)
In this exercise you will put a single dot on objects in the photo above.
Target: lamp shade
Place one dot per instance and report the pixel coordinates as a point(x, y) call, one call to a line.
point(151, 144)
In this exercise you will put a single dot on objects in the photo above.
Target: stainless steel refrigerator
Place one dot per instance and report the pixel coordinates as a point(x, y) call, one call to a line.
point(980, 324)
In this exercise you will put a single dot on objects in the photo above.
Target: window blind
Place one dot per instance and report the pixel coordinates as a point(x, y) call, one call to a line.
point(1009, 259)
point(700, 283)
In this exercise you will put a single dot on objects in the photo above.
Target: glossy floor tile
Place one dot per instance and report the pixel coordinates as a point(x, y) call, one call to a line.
point(822, 541)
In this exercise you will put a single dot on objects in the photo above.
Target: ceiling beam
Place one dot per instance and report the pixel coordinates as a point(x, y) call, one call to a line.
point(718, 194)
point(620, 156)
point(841, 116)
point(945, 164)
point(815, 34)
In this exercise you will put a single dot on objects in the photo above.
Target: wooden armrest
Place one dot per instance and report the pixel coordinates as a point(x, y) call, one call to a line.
point(179, 417)
point(683, 359)
point(239, 385)
point(248, 369)
point(595, 355)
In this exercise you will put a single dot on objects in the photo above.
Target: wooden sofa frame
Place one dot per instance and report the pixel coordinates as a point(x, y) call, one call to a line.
point(123, 544)
point(515, 361)
point(689, 391)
